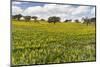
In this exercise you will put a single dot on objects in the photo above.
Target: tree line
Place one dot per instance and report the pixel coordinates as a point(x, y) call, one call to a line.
point(53, 19)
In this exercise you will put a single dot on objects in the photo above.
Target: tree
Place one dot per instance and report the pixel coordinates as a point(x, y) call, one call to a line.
point(35, 18)
point(86, 20)
point(42, 19)
point(53, 19)
point(77, 21)
point(14, 17)
point(27, 18)
point(18, 17)
point(93, 19)
point(68, 20)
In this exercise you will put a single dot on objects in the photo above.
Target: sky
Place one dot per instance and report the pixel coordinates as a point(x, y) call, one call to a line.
point(45, 10)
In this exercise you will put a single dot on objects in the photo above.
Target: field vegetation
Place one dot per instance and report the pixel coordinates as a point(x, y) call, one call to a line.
point(46, 43)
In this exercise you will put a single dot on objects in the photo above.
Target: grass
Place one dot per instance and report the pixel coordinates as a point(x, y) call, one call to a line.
point(44, 43)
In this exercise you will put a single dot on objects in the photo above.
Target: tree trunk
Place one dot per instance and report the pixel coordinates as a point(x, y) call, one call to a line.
point(87, 23)
point(54, 22)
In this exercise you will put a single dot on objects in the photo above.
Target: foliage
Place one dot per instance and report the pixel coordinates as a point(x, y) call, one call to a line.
point(35, 18)
point(53, 19)
point(89, 20)
point(44, 43)
point(68, 20)
point(42, 19)
point(93, 19)
point(17, 17)
point(77, 21)
point(27, 18)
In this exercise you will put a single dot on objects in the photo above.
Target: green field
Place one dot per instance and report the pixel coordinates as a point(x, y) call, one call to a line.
point(46, 43)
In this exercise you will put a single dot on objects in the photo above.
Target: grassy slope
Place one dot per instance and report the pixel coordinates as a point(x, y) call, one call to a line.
point(40, 43)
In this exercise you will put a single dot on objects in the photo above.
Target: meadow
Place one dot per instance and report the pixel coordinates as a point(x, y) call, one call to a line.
point(46, 43)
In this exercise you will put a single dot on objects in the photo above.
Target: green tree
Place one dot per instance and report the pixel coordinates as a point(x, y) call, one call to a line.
point(35, 18)
point(86, 20)
point(93, 19)
point(14, 16)
point(18, 17)
point(27, 18)
point(77, 21)
point(68, 20)
point(53, 19)
point(42, 19)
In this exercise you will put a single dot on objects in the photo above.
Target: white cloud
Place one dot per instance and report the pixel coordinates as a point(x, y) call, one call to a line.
point(93, 12)
point(49, 10)
point(81, 10)
point(14, 3)
point(33, 10)
point(16, 10)
point(63, 11)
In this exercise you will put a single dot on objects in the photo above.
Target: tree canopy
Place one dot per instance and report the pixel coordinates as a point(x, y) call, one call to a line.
point(53, 19)
point(27, 18)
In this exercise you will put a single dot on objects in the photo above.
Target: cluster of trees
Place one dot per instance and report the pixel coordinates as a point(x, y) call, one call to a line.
point(77, 21)
point(42, 19)
point(17, 17)
point(53, 19)
point(68, 20)
point(89, 20)
point(27, 18)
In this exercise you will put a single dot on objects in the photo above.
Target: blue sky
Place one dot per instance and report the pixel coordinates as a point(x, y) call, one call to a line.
point(45, 10)
point(25, 5)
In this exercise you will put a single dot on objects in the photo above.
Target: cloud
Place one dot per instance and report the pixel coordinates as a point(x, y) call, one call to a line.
point(63, 11)
point(80, 10)
point(93, 12)
point(33, 10)
point(48, 10)
point(16, 3)
point(16, 10)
